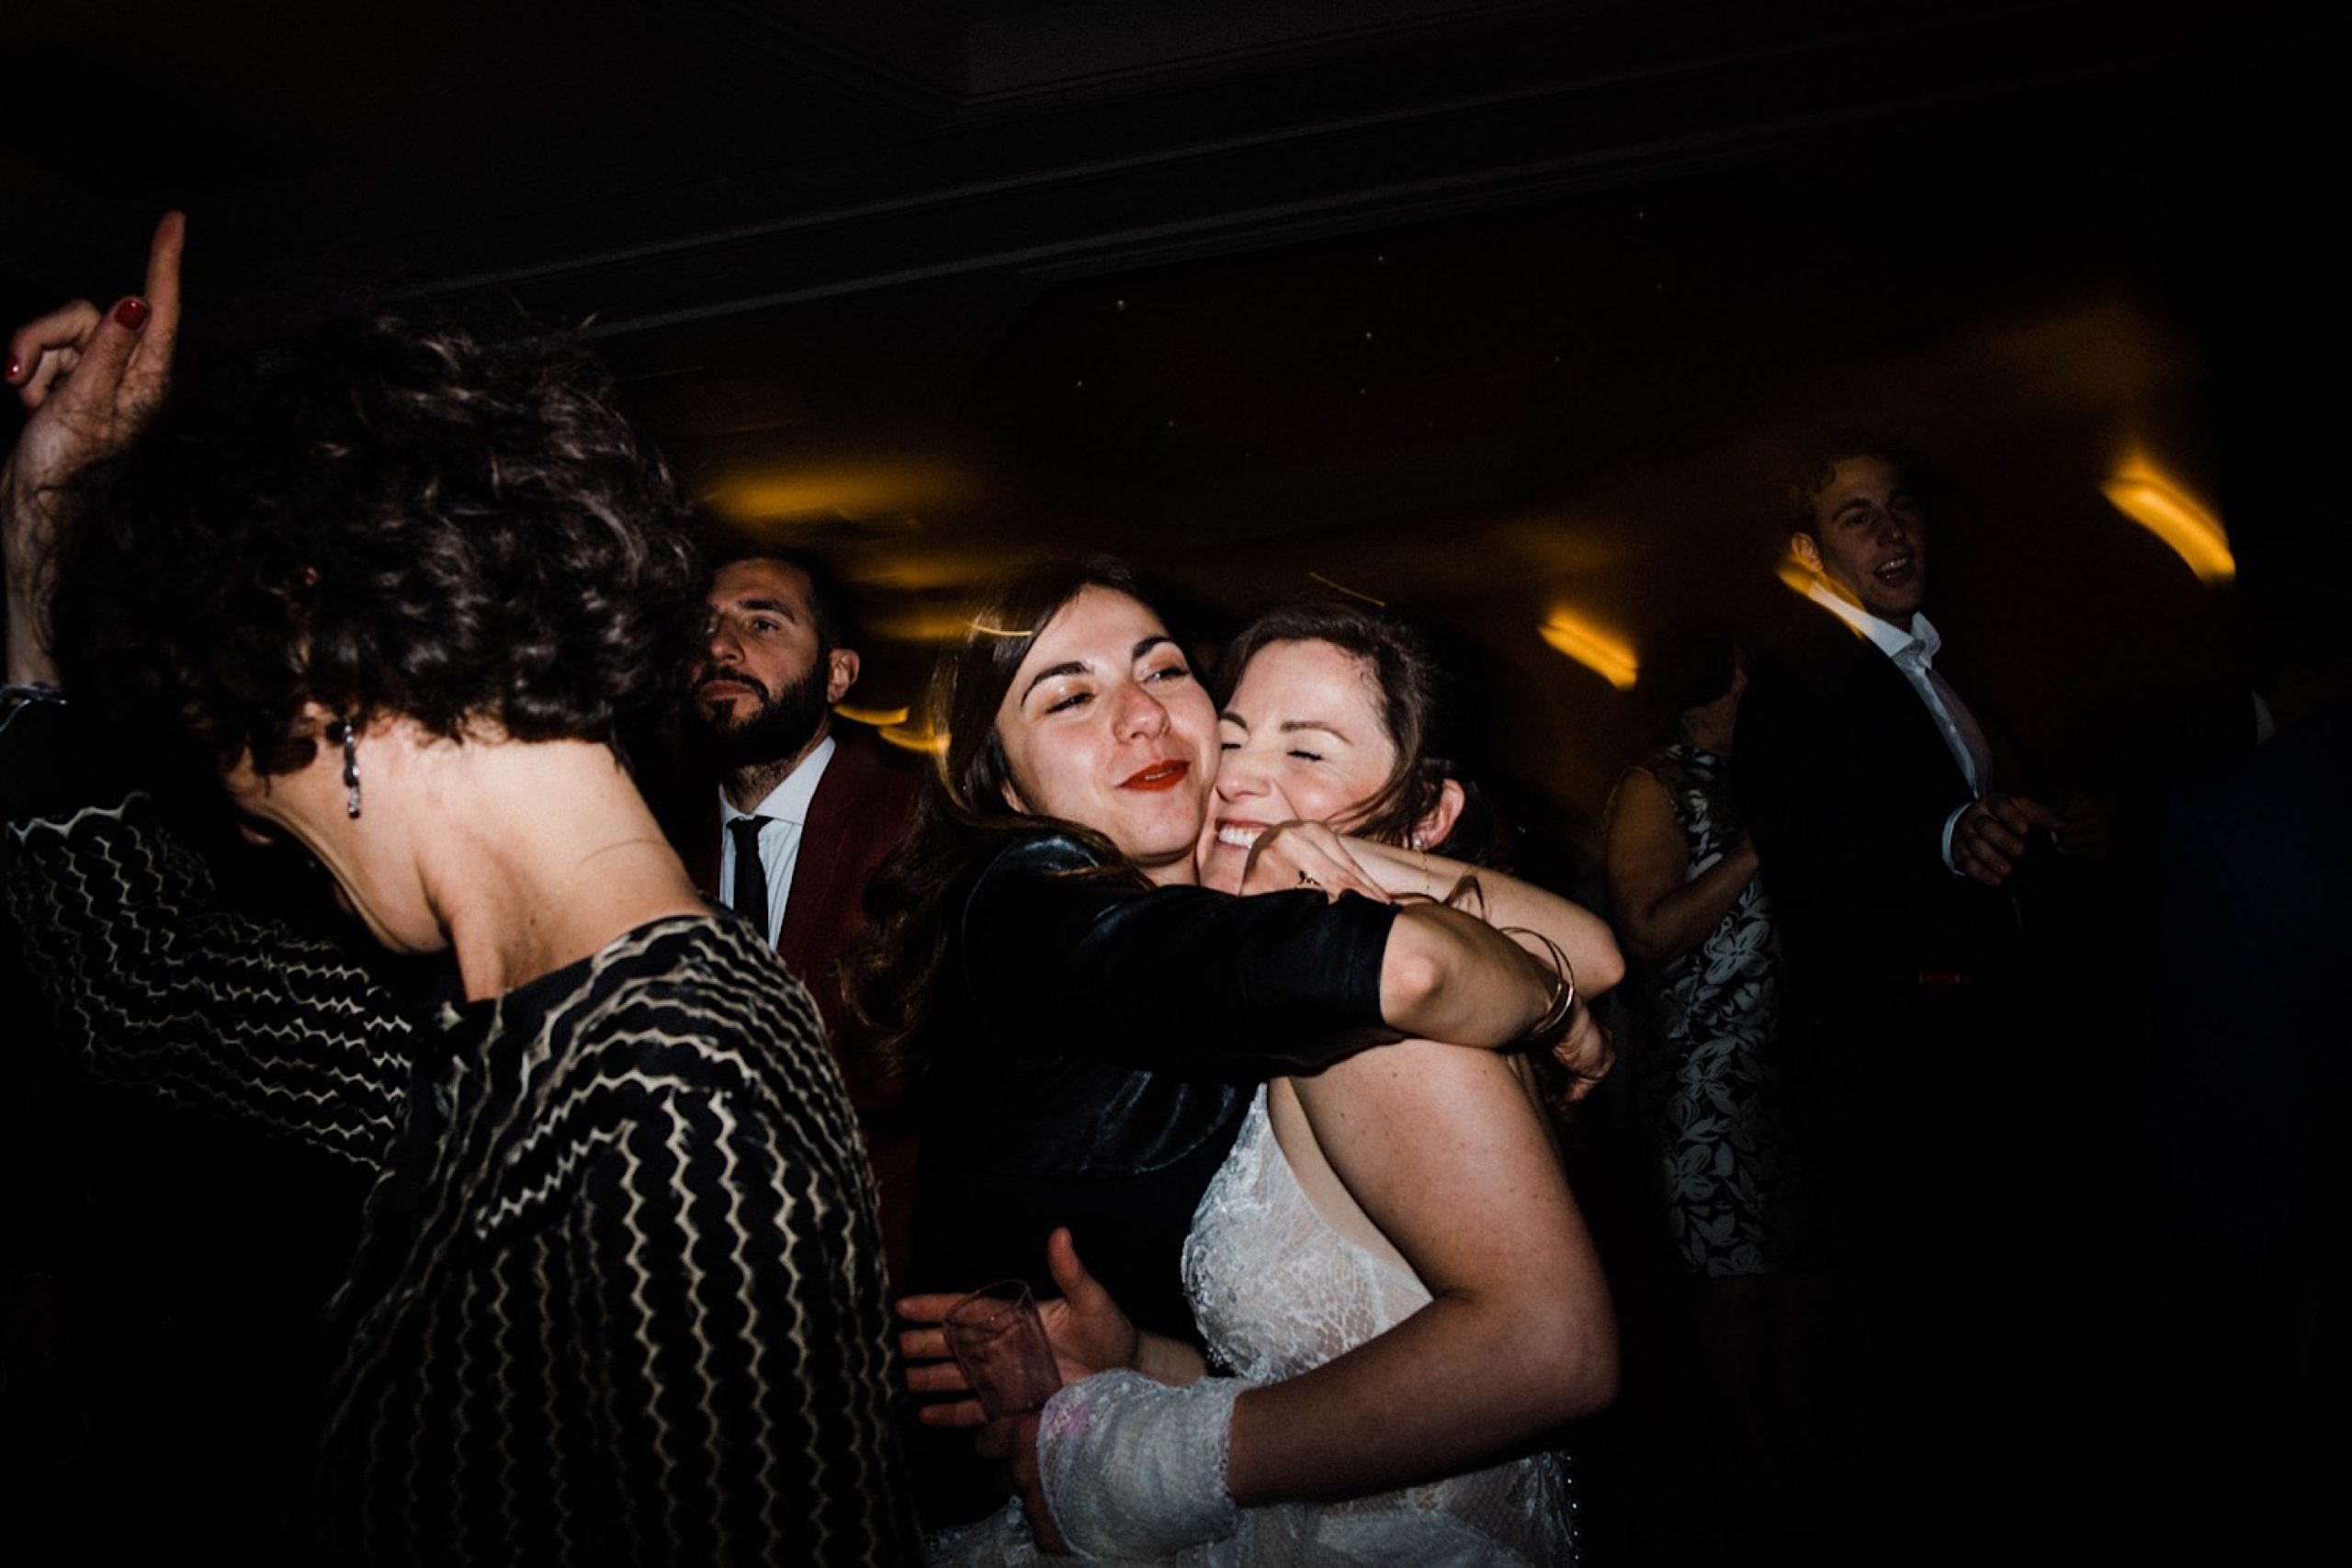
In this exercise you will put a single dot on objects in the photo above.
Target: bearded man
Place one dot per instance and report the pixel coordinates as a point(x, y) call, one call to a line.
point(805, 813)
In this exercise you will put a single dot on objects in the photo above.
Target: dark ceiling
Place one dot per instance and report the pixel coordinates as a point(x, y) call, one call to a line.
point(1502, 310)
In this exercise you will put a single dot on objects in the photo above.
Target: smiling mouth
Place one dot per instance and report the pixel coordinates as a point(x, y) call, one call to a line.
point(1236, 835)
point(1897, 569)
point(1160, 775)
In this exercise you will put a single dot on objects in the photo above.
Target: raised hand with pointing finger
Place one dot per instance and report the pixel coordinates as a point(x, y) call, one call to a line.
point(88, 379)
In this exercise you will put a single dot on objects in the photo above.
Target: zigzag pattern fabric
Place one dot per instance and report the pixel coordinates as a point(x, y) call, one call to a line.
point(214, 1011)
point(618, 1296)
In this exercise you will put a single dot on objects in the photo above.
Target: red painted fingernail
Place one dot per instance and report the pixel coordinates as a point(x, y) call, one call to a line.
point(15, 368)
point(132, 312)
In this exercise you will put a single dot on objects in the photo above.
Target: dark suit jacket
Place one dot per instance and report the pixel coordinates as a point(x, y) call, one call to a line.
point(1847, 785)
point(857, 818)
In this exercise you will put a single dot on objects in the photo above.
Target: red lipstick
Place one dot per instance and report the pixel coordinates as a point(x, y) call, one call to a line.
point(1165, 774)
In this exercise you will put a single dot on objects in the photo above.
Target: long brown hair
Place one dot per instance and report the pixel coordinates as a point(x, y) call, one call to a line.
point(963, 811)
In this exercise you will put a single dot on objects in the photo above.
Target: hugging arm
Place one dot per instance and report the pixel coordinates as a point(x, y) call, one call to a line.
point(1443, 1150)
point(1284, 982)
point(1445, 1153)
point(1504, 901)
point(1450, 977)
point(1298, 853)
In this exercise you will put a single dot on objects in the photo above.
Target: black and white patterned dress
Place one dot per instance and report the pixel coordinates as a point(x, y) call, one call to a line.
point(1710, 1074)
point(618, 1293)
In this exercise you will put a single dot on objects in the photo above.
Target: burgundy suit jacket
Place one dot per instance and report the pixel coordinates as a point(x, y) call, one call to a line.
point(859, 814)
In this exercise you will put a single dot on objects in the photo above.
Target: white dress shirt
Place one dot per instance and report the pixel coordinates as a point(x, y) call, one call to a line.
point(787, 809)
point(1912, 651)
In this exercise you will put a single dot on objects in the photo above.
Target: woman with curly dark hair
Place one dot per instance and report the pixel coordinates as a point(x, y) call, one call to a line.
point(618, 1295)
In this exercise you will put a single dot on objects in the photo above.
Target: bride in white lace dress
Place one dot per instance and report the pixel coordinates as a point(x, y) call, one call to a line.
point(1279, 1291)
point(1392, 1280)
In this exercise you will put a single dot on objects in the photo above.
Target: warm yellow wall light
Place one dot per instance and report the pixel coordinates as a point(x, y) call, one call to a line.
point(919, 623)
point(853, 490)
point(916, 738)
point(2153, 498)
point(1595, 649)
point(880, 717)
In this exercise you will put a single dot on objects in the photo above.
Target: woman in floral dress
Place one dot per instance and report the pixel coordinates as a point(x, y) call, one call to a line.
point(1690, 905)
point(1692, 912)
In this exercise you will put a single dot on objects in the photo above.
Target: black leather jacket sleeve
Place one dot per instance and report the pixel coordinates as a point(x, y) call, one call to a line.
point(1099, 966)
point(1095, 1046)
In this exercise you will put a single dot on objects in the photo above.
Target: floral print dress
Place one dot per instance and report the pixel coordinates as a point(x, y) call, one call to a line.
point(1710, 1077)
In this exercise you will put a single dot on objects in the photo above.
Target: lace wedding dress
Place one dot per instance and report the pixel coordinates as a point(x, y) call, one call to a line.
point(1277, 1292)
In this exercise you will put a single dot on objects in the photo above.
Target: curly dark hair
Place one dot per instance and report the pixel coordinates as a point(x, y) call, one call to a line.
point(964, 810)
point(382, 516)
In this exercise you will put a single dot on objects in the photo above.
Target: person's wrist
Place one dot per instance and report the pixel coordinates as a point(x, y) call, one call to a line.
point(1554, 972)
point(18, 695)
point(1951, 846)
point(29, 664)
point(1134, 1469)
point(1159, 1359)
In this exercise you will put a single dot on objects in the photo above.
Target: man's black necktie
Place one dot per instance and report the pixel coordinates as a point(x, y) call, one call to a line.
point(749, 897)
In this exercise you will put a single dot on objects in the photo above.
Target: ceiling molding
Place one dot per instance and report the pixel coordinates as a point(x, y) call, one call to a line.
point(1243, 179)
point(950, 57)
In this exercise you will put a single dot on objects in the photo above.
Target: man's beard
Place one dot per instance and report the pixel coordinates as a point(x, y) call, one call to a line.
point(777, 729)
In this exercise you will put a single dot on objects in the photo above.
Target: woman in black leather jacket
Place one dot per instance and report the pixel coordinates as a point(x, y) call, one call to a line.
point(1090, 1025)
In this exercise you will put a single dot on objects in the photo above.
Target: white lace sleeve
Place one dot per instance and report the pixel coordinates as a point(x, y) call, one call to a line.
point(1136, 1468)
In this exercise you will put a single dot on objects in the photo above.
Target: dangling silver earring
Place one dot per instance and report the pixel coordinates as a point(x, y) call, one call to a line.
point(350, 767)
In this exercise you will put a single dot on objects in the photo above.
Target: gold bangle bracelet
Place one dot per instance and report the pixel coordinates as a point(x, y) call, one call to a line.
point(1564, 988)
